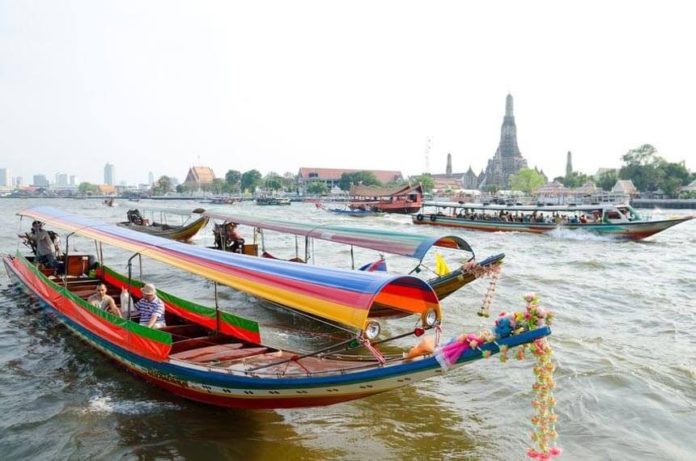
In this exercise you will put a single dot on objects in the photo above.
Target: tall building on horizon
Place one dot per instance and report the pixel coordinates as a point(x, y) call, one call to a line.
point(61, 180)
point(508, 159)
point(109, 174)
point(40, 181)
point(5, 177)
point(150, 178)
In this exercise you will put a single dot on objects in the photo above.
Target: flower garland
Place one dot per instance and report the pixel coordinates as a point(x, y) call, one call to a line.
point(479, 271)
point(534, 316)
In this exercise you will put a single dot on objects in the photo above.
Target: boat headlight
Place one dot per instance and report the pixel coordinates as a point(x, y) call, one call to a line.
point(430, 317)
point(372, 330)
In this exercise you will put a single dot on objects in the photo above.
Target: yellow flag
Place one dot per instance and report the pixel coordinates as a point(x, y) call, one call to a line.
point(440, 265)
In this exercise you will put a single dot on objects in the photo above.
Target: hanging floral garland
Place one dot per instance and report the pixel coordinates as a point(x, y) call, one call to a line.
point(507, 324)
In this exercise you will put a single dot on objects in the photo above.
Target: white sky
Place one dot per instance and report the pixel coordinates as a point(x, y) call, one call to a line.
point(163, 85)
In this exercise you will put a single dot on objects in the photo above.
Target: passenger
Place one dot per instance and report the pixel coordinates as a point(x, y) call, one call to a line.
point(103, 301)
point(42, 244)
point(234, 242)
point(150, 308)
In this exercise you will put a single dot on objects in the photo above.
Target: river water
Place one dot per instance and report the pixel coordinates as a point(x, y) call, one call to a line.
point(624, 341)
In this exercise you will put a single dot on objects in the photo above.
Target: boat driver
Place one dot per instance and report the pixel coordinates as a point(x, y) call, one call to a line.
point(234, 238)
point(44, 245)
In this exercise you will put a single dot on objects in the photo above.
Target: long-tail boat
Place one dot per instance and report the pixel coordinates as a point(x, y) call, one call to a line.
point(414, 246)
point(210, 355)
point(615, 220)
point(158, 223)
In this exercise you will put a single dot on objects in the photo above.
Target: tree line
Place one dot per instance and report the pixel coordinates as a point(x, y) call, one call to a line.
point(643, 166)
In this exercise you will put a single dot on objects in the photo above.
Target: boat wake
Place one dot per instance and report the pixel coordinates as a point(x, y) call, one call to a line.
point(567, 234)
point(105, 405)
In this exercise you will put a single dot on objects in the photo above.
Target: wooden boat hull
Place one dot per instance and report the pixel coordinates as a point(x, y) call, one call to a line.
point(388, 207)
point(180, 233)
point(355, 213)
point(635, 230)
point(235, 388)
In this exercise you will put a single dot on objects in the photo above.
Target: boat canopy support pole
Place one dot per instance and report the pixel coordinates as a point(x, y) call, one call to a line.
point(66, 259)
point(130, 278)
point(352, 258)
point(217, 309)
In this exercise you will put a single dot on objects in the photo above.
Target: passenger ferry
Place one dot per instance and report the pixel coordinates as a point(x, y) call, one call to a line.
point(616, 220)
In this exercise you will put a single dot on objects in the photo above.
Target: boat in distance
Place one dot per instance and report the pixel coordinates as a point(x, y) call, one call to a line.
point(209, 355)
point(273, 201)
point(181, 232)
point(615, 220)
point(409, 245)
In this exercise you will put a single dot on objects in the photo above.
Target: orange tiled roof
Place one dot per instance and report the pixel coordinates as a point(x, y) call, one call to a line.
point(200, 175)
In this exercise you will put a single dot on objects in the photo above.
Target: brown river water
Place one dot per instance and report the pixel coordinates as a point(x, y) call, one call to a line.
point(624, 342)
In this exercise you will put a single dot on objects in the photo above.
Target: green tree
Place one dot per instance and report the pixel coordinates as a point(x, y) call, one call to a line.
point(232, 178)
point(607, 180)
point(526, 180)
point(364, 178)
point(273, 182)
point(218, 186)
point(426, 180)
point(162, 186)
point(575, 179)
point(674, 176)
point(249, 180)
point(641, 166)
point(87, 188)
point(289, 182)
point(317, 188)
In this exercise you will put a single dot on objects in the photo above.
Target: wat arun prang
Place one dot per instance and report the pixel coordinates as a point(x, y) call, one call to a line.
point(507, 159)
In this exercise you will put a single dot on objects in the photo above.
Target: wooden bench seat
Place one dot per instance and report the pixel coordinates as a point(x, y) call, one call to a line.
point(202, 351)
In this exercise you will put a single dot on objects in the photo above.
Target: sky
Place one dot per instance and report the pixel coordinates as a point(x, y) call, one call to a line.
point(277, 85)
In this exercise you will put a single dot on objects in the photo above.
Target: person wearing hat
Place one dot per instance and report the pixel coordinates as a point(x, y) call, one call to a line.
point(150, 308)
point(44, 246)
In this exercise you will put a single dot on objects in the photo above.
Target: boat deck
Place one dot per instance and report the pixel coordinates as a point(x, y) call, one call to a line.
point(199, 346)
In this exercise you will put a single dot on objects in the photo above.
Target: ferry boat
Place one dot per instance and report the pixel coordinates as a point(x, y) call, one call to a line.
point(615, 220)
point(403, 199)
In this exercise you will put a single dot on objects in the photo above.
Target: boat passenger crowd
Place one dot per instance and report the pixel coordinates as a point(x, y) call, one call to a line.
point(532, 218)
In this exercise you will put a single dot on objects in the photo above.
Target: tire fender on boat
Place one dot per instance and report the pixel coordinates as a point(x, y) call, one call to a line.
point(419, 217)
point(433, 218)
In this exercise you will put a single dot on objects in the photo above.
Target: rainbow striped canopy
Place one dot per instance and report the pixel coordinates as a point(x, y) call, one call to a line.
point(398, 243)
point(342, 296)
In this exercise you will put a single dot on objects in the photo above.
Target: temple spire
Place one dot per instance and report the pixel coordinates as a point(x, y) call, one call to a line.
point(569, 164)
point(508, 106)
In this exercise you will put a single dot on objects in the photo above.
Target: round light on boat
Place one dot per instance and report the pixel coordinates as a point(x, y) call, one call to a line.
point(372, 330)
point(430, 317)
